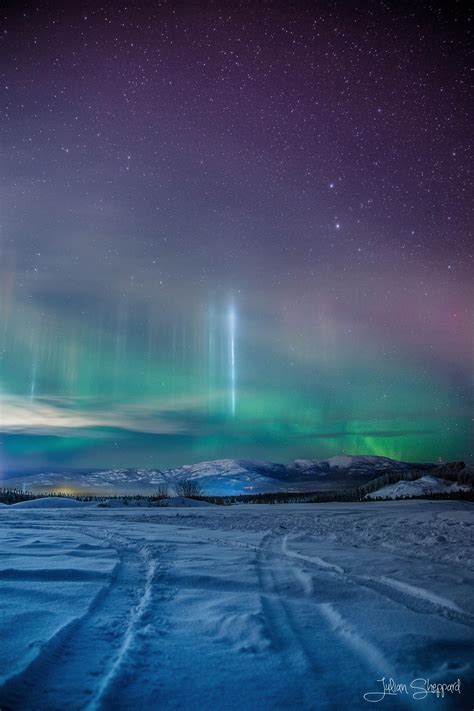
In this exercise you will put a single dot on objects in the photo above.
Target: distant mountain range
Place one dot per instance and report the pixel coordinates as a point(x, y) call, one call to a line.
point(222, 477)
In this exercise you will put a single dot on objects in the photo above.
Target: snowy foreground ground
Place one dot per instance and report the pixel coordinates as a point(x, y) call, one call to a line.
point(248, 607)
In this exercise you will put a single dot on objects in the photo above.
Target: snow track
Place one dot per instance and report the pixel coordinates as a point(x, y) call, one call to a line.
point(283, 629)
point(85, 660)
point(136, 615)
point(310, 641)
point(417, 599)
point(414, 598)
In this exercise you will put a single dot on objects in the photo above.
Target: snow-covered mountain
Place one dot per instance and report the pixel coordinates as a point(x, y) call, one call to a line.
point(424, 485)
point(350, 464)
point(223, 476)
point(366, 462)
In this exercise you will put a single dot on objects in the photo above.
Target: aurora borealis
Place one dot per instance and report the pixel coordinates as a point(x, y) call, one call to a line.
point(234, 230)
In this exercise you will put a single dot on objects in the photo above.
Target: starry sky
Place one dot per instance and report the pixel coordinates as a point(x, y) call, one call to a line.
point(234, 229)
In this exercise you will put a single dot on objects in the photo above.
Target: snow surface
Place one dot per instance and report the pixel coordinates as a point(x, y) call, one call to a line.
point(418, 487)
point(180, 501)
point(247, 607)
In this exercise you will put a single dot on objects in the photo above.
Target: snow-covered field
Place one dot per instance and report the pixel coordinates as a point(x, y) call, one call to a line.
point(246, 607)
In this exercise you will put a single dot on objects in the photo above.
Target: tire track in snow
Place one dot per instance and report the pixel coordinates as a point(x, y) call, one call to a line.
point(84, 662)
point(324, 658)
point(18, 691)
point(285, 635)
point(414, 598)
point(110, 692)
point(361, 647)
point(24, 690)
point(136, 616)
point(354, 639)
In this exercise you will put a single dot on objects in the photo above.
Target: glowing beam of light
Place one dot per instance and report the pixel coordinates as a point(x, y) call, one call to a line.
point(210, 358)
point(231, 326)
point(33, 378)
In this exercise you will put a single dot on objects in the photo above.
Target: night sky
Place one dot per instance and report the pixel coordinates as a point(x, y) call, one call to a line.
point(234, 230)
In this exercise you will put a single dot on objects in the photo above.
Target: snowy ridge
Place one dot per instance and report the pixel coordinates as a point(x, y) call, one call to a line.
point(54, 502)
point(418, 487)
